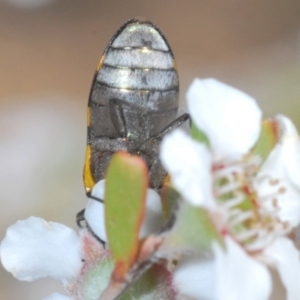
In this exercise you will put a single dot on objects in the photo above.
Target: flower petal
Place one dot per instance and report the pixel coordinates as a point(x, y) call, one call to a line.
point(154, 217)
point(34, 249)
point(56, 296)
point(285, 157)
point(232, 274)
point(94, 216)
point(195, 277)
point(99, 189)
point(189, 164)
point(229, 117)
point(95, 213)
point(283, 165)
point(286, 258)
point(240, 276)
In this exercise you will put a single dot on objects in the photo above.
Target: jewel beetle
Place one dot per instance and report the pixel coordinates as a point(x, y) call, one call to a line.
point(133, 102)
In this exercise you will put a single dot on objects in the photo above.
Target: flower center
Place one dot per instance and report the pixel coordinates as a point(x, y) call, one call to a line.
point(252, 218)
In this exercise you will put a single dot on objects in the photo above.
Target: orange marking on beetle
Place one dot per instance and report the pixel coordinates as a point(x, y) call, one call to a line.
point(88, 178)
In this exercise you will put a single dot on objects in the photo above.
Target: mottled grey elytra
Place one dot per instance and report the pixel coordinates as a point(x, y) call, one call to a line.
point(133, 101)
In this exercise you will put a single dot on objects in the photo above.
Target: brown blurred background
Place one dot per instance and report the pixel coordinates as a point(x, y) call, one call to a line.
point(48, 53)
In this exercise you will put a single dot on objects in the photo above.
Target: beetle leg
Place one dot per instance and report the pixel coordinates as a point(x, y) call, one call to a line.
point(80, 218)
point(176, 123)
point(117, 116)
point(157, 173)
point(96, 198)
point(132, 122)
point(95, 236)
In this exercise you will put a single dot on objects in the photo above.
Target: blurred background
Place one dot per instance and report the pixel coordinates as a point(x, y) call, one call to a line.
point(48, 53)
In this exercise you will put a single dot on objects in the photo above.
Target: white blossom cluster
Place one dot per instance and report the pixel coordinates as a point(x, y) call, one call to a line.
point(256, 237)
point(253, 202)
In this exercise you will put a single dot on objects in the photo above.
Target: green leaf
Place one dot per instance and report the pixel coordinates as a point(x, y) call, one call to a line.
point(96, 279)
point(267, 139)
point(125, 193)
point(193, 230)
point(153, 284)
point(199, 135)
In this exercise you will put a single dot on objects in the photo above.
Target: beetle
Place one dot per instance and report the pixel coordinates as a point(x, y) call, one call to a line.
point(133, 102)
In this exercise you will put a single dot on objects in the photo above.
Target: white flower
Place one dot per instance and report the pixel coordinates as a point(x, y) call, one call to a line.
point(231, 275)
point(229, 117)
point(258, 205)
point(34, 249)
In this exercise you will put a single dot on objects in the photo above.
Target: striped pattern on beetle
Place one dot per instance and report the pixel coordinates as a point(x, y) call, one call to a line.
point(133, 101)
